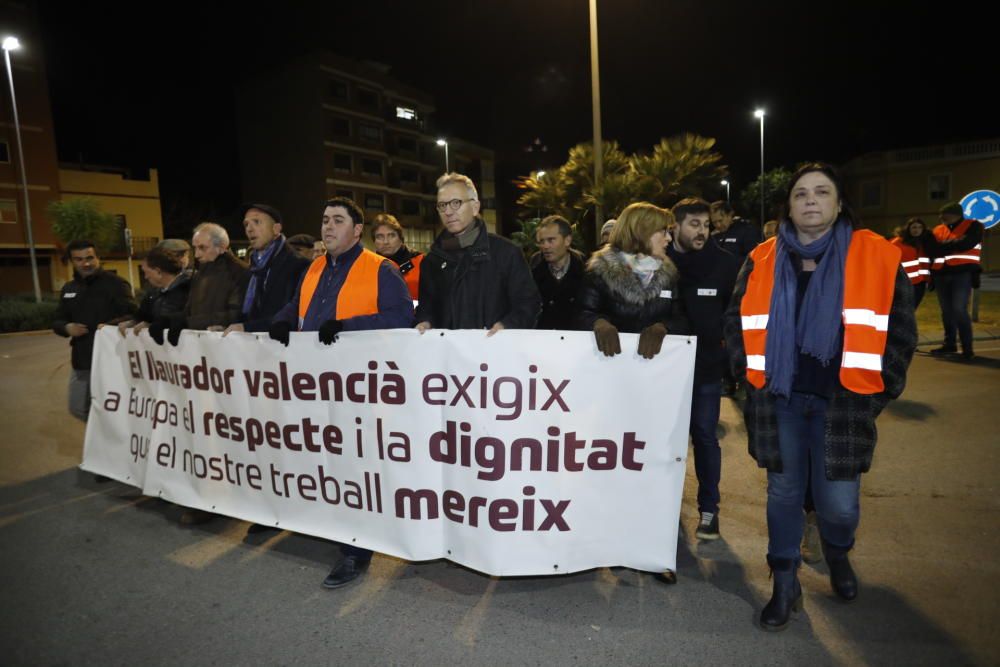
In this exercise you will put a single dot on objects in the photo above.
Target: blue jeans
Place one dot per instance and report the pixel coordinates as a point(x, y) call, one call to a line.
point(953, 293)
point(707, 455)
point(801, 426)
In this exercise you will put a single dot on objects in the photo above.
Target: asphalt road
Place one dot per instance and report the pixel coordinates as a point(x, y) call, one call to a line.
point(98, 575)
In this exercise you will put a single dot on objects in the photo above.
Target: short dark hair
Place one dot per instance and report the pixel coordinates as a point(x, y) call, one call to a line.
point(690, 206)
point(387, 220)
point(722, 206)
point(301, 241)
point(79, 244)
point(565, 229)
point(164, 260)
point(353, 210)
point(828, 170)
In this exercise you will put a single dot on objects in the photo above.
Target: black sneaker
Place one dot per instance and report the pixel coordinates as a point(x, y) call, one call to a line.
point(967, 355)
point(708, 527)
point(943, 350)
point(349, 569)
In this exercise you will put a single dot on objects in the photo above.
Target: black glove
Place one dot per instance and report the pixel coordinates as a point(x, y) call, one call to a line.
point(280, 331)
point(651, 340)
point(157, 328)
point(328, 331)
point(174, 334)
point(607, 338)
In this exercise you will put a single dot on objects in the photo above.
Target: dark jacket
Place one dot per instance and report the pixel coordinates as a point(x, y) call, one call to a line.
point(276, 286)
point(613, 292)
point(165, 304)
point(850, 417)
point(103, 298)
point(478, 286)
point(559, 306)
point(739, 239)
point(217, 291)
point(972, 237)
point(707, 278)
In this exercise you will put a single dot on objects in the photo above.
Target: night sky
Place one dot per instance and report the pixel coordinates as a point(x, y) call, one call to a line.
point(136, 86)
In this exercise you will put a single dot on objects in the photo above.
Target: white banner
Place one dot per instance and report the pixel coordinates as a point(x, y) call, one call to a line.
point(522, 454)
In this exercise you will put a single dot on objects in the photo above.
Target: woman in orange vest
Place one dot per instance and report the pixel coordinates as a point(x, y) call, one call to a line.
point(914, 260)
point(821, 325)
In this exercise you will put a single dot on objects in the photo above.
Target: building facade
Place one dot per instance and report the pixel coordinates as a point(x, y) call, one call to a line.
point(324, 126)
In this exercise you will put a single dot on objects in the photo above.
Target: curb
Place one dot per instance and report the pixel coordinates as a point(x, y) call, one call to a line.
point(37, 332)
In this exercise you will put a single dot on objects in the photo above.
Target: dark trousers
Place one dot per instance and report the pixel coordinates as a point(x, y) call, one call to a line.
point(918, 294)
point(363, 555)
point(707, 454)
point(953, 292)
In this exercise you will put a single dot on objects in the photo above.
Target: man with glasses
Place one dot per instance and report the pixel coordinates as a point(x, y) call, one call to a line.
point(472, 279)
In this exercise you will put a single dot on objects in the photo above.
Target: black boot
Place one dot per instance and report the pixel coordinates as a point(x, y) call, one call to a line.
point(787, 595)
point(842, 577)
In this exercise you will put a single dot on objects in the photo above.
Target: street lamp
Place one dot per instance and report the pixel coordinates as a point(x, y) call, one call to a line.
point(726, 183)
point(595, 103)
point(539, 174)
point(759, 113)
point(442, 142)
point(11, 44)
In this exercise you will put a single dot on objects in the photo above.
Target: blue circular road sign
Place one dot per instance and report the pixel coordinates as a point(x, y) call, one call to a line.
point(982, 205)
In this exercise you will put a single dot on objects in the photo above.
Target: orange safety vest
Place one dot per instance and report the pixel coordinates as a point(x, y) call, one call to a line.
point(972, 256)
point(916, 264)
point(359, 293)
point(412, 275)
point(869, 285)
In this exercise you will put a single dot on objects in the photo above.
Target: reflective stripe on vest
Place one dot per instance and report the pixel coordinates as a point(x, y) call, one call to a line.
point(914, 263)
point(869, 285)
point(359, 293)
point(971, 256)
point(412, 277)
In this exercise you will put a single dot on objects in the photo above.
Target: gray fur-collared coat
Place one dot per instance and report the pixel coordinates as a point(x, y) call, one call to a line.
point(850, 418)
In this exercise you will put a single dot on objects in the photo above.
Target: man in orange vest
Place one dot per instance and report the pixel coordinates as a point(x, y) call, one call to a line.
point(347, 289)
point(956, 249)
point(388, 237)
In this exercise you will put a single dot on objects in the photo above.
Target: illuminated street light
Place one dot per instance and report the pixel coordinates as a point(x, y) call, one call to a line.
point(442, 142)
point(759, 113)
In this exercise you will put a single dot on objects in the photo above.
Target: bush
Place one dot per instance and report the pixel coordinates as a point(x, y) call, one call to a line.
point(19, 314)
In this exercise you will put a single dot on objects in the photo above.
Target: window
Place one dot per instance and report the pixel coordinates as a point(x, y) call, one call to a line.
point(939, 187)
point(338, 90)
point(375, 202)
point(340, 127)
point(406, 113)
point(4, 151)
point(368, 98)
point(410, 176)
point(411, 207)
point(871, 194)
point(407, 145)
point(343, 162)
point(371, 167)
point(370, 132)
point(8, 211)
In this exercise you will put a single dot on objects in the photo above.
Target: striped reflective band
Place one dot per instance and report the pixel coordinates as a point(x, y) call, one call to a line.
point(871, 362)
point(755, 362)
point(866, 317)
point(912, 263)
point(914, 274)
point(751, 322)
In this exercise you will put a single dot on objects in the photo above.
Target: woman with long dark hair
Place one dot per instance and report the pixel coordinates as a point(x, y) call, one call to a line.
point(821, 326)
point(911, 240)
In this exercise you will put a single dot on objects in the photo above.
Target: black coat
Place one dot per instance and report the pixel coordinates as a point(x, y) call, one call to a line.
point(559, 297)
point(275, 288)
point(165, 304)
point(611, 291)
point(739, 239)
point(103, 298)
point(478, 286)
point(707, 278)
point(217, 290)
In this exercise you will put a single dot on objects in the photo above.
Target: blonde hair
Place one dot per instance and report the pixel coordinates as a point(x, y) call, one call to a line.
point(636, 224)
point(461, 179)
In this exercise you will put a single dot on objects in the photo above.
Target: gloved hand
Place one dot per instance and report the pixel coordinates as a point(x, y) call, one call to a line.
point(280, 331)
point(607, 338)
point(157, 328)
point(651, 340)
point(328, 331)
point(174, 334)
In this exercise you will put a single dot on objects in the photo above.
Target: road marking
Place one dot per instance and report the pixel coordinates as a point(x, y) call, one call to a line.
point(470, 625)
point(204, 552)
point(14, 518)
point(374, 584)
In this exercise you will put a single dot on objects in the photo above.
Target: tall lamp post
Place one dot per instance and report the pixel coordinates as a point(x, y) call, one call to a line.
point(595, 90)
point(12, 44)
point(726, 183)
point(759, 113)
point(442, 142)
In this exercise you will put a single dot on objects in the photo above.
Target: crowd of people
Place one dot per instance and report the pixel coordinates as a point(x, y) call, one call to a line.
point(811, 316)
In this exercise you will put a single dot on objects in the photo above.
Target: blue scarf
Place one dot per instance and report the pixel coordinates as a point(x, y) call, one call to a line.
point(816, 329)
point(259, 266)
